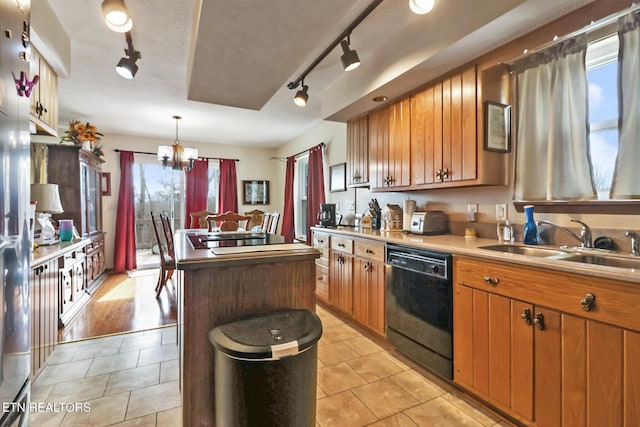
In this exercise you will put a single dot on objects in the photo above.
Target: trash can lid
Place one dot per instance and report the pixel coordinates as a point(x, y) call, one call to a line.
point(269, 336)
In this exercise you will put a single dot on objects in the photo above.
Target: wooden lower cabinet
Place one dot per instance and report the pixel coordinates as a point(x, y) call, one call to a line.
point(43, 313)
point(340, 281)
point(543, 366)
point(368, 294)
point(321, 242)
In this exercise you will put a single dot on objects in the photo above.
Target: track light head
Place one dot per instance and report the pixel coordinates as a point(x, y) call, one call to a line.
point(421, 7)
point(302, 96)
point(127, 67)
point(116, 16)
point(349, 58)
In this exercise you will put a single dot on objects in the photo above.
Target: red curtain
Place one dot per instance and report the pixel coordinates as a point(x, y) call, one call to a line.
point(196, 187)
point(124, 257)
point(315, 188)
point(228, 190)
point(288, 230)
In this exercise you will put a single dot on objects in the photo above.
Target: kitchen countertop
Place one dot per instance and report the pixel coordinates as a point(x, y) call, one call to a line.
point(189, 258)
point(459, 245)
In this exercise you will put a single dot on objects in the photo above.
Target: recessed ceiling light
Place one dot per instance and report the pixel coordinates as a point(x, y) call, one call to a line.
point(380, 98)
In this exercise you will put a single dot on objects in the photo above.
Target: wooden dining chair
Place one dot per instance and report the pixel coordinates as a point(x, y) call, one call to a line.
point(199, 219)
point(168, 234)
point(167, 263)
point(266, 219)
point(228, 221)
point(256, 218)
point(273, 223)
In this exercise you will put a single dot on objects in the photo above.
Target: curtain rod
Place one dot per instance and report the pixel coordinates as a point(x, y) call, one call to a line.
point(589, 28)
point(322, 144)
point(155, 154)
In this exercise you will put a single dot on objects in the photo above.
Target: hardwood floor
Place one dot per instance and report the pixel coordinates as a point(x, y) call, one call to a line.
point(123, 304)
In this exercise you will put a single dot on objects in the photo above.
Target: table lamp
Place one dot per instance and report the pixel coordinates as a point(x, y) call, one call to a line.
point(48, 198)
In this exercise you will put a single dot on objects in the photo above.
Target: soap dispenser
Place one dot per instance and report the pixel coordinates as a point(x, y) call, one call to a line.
point(530, 229)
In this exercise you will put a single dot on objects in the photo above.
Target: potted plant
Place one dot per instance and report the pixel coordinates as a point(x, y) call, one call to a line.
point(84, 134)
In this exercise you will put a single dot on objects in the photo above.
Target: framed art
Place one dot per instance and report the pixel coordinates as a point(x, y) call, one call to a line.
point(497, 127)
point(338, 177)
point(105, 183)
point(255, 192)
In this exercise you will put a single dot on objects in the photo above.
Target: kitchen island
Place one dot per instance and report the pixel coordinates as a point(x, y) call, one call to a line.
point(223, 281)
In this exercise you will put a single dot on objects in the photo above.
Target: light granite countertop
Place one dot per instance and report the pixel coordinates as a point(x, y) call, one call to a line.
point(461, 246)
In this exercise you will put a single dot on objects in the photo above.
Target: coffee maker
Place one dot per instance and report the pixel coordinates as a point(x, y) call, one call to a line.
point(327, 215)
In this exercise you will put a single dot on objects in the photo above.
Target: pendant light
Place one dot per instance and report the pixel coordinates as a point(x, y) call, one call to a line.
point(176, 156)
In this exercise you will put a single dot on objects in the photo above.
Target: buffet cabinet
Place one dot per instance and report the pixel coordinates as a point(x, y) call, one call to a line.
point(548, 348)
point(77, 173)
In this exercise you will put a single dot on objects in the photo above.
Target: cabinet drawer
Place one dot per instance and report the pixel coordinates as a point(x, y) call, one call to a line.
point(369, 249)
point(342, 244)
point(322, 282)
point(324, 257)
point(615, 302)
point(320, 240)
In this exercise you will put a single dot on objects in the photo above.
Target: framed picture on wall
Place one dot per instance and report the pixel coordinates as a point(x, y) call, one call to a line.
point(255, 192)
point(105, 183)
point(338, 177)
point(497, 127)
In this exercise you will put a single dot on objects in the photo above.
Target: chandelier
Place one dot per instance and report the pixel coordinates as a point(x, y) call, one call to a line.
point(176, 156)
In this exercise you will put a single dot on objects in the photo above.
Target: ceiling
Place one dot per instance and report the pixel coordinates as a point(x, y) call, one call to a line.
point(224, 65)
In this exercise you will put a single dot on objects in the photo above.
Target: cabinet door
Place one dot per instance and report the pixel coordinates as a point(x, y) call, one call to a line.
point(426, 135)
point(340, 281)
point(378, 147)
point(368, 294)
point(399, 144)
point(358, 152)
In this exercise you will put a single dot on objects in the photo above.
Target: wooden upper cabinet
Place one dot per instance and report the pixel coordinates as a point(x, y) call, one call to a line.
point(389, 144)
point(44, 98)
point(358, 152)
point(444, 129)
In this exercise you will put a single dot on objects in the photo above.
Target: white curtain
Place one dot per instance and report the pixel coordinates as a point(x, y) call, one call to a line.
point(626, 176)
point(39, 163)
point(552, 157)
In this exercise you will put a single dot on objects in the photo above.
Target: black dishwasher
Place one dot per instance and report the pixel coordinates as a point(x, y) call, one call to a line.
point(419, 306)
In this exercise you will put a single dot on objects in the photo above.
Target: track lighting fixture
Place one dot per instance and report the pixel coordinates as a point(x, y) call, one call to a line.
point(116, 16)
point(349, 58)
point(127, 67)
point(421, 7)
point(302, 96)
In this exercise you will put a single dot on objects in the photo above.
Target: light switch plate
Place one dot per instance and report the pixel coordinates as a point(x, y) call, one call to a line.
point(472, 211)
point(501, 211)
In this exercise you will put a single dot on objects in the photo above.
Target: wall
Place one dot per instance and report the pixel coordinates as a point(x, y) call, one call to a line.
point(253, 165)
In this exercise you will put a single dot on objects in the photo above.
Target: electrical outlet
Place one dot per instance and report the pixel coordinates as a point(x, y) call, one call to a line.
point(472, 211)
point(501, 211)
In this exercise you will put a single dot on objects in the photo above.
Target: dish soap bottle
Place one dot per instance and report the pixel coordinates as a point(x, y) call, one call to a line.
point(530, 229)
point(507, 232)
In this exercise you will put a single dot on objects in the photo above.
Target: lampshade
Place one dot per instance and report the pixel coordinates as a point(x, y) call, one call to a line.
point(48, 198)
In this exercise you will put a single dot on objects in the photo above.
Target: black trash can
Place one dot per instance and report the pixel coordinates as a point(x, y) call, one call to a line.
point(266, 370)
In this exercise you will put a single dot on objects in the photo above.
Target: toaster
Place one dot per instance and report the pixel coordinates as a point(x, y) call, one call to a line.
point(429, 222)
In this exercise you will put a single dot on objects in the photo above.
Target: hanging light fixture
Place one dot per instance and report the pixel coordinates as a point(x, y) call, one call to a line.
point(127, 67)
point(176, 156)
point(349, 58)
point(302, 96)
point(421, 7)
point(116, 16)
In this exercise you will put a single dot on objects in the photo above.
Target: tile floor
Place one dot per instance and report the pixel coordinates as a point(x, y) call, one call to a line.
point(132, 380)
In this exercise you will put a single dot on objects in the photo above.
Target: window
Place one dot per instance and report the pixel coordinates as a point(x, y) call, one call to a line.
point(602, 71)
point(300, 196)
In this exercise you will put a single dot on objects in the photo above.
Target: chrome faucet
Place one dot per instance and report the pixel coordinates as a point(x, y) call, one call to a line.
point(635, 242)
point(585, 232)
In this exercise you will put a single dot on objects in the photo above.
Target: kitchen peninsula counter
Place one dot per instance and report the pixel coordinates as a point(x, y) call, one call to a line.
point(220, 285)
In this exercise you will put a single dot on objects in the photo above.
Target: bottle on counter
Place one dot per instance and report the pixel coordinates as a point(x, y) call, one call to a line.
point(507, 232)
point(530, 229)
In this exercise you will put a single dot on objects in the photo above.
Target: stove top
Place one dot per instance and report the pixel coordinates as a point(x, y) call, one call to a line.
point(233, 239)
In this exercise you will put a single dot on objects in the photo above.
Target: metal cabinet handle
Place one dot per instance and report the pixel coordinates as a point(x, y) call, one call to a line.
point(445, 173)
point(320, 241)
point(491, 280)
point(526, 316)
point(366, 266)
point(369, 251)
point(439, 175)
point(588, 302)
point(538, 320)
point(341, 245)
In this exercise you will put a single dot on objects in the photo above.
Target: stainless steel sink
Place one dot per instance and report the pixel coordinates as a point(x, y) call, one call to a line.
point(527, 250)
point(609, 261)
